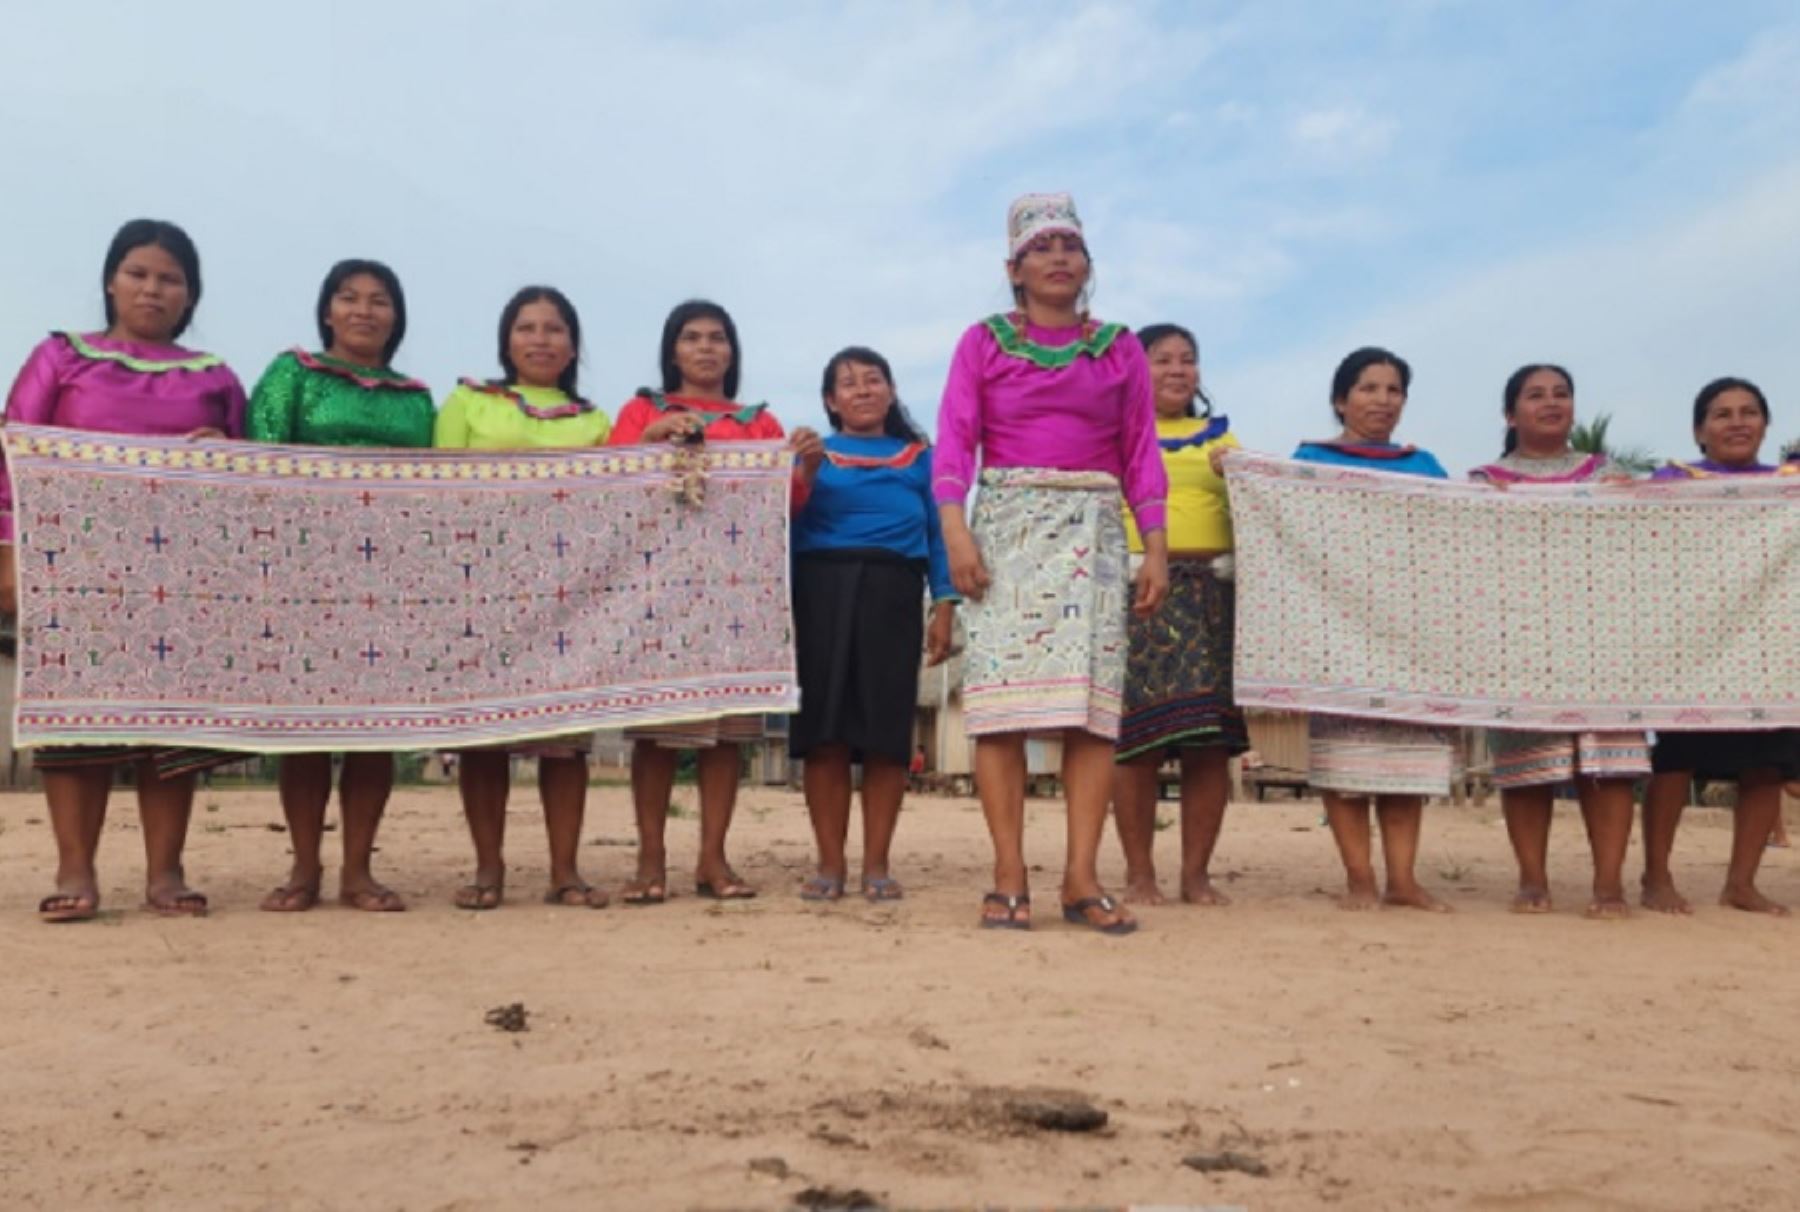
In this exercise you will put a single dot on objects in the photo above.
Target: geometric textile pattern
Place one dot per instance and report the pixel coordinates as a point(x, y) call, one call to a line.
point(256, 597)
point(1672, 604)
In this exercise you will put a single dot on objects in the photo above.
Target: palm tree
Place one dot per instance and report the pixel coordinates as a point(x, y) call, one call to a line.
point(1590, 438)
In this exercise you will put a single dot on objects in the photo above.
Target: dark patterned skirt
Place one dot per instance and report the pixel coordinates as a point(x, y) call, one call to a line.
point(1720, 756)
point(169, 761)
point(1178, 675)
point(859, 629)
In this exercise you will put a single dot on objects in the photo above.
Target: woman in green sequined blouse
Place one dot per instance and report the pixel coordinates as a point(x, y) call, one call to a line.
point(348, 395)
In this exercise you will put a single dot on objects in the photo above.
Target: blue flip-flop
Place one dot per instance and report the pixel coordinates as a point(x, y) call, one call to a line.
point(881, 888)
point(822, 888)
point(1076, 914)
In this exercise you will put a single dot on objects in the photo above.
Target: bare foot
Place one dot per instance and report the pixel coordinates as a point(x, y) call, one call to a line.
point(1747, 898)
point(1143, 891)
point(1531, 900)
point(1200, 891)
point(1609, 908)
point(1660, 896)
point(1359, 895)
point(1414, 897)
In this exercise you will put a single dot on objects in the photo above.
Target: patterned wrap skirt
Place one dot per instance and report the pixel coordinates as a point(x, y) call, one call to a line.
point(169, 761)
point(1178, 671)
point(1538, 759)
point(1046, 644)
point(859, 628)
point(706, 733)
point(1380, 757)
point(1723, 756)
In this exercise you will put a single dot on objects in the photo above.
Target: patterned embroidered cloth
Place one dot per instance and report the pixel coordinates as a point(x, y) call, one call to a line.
point(1566, 607)
point(291, 598)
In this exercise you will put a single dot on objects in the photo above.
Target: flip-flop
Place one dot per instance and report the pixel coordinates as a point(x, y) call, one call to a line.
point(186, 903)
point(732, 889)
point(479, 898)
point(822, 888)
point(373, 900)
point(1076, 914)
point(587, 893)
point(290, 898)
point(1012, 905)
point(60, 907)
point(646, 892)
point(881, 888)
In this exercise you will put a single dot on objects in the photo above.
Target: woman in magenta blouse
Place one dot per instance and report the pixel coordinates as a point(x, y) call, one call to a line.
point(131, 378)
point(1059, 408)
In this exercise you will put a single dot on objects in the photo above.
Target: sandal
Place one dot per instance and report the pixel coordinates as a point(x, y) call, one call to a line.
point(69, 907)
point(646, 892)
point(585, 894)
point(186, 903)
point(822, 888)
point(373, 900)
point(1076, 914)
point(881, 888)
point(478, 897)
point(731, 888)
point(290, 898)
point(1013, 905)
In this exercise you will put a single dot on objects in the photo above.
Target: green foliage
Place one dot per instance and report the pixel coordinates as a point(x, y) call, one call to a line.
point(1590, 437)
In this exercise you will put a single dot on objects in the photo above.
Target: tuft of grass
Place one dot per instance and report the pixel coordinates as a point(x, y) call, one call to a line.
point(1163, 822)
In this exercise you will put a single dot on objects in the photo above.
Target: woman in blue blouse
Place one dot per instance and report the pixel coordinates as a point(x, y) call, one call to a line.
point(866, 543)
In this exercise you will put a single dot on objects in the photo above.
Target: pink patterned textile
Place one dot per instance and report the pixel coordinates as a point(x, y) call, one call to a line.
point(1566, 607)
point(274, 598)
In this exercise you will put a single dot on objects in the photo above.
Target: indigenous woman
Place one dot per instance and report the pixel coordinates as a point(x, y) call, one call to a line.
point(701, 368)
point(866, 543)
point(1178, 678)
point(346, 395)
point(1731, 419)
point(1355, 760)
point(535, 404)
point(129, 378)
point(1060, 409)
point(1539, 404)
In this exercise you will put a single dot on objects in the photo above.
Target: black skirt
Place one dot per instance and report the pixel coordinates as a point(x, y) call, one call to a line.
point(1727, 755)
point(859, 627)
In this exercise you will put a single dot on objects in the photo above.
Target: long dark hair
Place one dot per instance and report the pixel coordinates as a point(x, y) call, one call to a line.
point(171, 239)
point(898, 423)
point(509, 315)
point(1150, 334)
point(1509, 397)
point(699, 309)
point(341, 273)
point(1719, 387)
point(1359, 360)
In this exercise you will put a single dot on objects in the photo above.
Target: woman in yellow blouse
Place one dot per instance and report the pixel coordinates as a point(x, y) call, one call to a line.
point(534, 405)
point(1178, 679)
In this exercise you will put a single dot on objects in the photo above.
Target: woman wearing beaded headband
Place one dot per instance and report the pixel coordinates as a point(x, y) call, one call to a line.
point(347, 394)
point(535, 405)
point(866, 546)
point(1060, 409)
point(1731, 421)
point(1178, 678)
point(701, 368)
point(1539, 404)
point(129, 378)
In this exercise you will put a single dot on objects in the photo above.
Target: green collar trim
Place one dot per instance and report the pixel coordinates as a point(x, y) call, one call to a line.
point(148, 366)
point(1009, 333)
point(716, 410)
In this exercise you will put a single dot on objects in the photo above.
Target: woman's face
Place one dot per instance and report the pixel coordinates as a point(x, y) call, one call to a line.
point(1052, 271)
point(1174, 374)
point(1733, 429)
point(149, 293)
point(861, 397)
point(1545, 411)
point(540, 344)
point(1372, 409)
point(703, 354)
point(361, 315)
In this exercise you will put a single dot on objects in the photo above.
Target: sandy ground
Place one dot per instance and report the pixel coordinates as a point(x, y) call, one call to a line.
point(1393, 1060)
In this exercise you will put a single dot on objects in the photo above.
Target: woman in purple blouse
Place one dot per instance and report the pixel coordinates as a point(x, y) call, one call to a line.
point(1060, 408)
point(129, 378)
point(1731, 419)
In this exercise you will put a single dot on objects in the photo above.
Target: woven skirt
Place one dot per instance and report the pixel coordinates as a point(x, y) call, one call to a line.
point(1380, 757)
point(1538, 759)
point(169, 761)
point(1178, 672)
point(1728, 755)
point(703, 733)
point(859, 628)
point(1046, 644)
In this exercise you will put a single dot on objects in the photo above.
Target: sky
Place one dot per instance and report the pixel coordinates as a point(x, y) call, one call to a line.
point(1613, 185)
